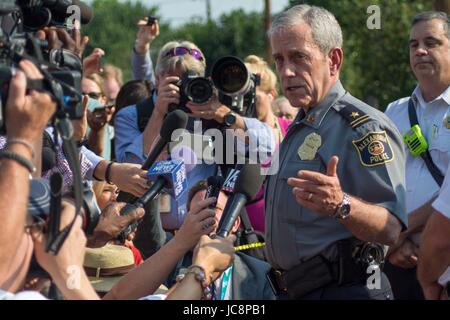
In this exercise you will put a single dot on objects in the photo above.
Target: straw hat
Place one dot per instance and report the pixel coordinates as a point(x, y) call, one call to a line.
point(105, 266)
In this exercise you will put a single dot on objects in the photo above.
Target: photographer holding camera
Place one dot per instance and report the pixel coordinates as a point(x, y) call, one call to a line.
point(27, 114)
point(127, 176)
point(137, 126)
point(175, 59)
point(25, 125)
point(66, 268)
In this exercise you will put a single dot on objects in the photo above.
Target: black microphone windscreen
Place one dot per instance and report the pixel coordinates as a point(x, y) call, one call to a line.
point(175, 120)
point(249, 180)
point(215, 180)
point(48, 159)
point(87, 14)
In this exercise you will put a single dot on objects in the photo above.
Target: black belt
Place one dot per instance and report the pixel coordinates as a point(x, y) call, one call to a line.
point(304, 278)
point(318, 272)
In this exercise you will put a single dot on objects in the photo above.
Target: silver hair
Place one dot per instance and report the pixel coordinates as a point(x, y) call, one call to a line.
point(167, 64)
point(325, 29)
point(430, 15)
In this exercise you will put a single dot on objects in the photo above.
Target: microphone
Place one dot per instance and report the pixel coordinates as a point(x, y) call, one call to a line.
point(48, 158)
point(169, 174)
point(173, 211)
point(214, 186)
point(174, 120)
point(247, 185)
point(173, 172)
point(230, 180)
point(56, 183)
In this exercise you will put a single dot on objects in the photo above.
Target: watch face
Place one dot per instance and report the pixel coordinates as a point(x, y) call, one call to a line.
point(230, 119)
point(345, 209)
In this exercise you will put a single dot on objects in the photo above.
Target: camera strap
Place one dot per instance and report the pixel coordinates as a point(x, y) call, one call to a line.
point(426, 156)
point(54, 216)
point(144, 110)
point(64, 126)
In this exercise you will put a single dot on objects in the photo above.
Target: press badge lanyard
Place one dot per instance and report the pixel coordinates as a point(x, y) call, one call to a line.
point(225, 281)
point(425, 155)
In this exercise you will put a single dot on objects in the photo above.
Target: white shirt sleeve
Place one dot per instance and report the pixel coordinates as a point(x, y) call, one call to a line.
point(442, 203)
point(23, 295)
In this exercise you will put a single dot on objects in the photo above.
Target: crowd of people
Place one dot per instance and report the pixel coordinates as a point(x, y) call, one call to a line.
point(357, 208)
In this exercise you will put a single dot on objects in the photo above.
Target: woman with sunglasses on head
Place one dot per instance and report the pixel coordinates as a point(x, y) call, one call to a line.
point(174, 59)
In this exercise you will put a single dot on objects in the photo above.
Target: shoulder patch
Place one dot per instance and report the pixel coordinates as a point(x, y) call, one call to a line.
point(374, 149)
point(354, 116)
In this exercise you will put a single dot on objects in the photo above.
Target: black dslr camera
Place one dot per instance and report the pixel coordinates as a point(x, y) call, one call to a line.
point(236, 85)
point(230, 76)
point(192, 88)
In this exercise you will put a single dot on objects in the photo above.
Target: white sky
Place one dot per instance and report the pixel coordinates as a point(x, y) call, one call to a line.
point(178, 12)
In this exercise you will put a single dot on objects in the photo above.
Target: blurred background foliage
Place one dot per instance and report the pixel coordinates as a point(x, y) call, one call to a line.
point(376, 61)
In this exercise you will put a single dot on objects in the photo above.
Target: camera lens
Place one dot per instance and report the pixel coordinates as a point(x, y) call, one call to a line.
point(199, 90)
point(230, 75)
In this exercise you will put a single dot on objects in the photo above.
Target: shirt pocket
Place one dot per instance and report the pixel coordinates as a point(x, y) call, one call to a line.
point(443, 142)
point(289, 209)
point(440, 148)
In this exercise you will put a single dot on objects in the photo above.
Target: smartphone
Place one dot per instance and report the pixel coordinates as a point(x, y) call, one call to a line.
point(94, 104)
point(151, 20)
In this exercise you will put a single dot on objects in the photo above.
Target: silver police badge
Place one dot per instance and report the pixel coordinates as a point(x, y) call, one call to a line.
point(309, 147)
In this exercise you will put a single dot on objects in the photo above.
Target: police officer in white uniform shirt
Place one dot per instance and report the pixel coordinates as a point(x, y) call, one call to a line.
point(429, 47)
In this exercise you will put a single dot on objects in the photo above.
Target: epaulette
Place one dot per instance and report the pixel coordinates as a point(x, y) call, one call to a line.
point(354, 116)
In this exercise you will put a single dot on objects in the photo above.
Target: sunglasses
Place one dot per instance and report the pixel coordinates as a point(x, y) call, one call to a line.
point(94, 95)
point(181, 51)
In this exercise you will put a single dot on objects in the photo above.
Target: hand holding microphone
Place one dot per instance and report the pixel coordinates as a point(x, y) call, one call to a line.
point(174, 120)
point(170, 174)
point(247, 185)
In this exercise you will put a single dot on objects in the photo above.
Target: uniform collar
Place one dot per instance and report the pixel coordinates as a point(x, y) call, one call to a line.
point(418, 97)
point(315, 115)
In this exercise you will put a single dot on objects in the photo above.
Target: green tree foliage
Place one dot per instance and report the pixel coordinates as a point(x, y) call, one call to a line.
point(376, 62)
point(113, 29)
point(235, 33)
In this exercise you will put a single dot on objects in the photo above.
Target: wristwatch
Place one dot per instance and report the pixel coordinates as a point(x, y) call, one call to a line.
point(343, 209)
point(230, 118)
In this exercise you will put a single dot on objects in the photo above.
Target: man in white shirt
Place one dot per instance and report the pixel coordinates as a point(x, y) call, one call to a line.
point(434, 263)
point(429, 47)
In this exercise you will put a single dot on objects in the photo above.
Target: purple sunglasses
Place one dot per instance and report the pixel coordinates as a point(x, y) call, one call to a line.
point(181, 51)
